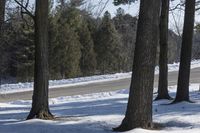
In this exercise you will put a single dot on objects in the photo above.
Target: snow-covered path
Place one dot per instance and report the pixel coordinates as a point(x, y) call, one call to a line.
point(28, 86)
point(96, 86)
point(98, 113)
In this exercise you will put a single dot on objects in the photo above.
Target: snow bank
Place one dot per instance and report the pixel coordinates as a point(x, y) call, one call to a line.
point(99, 113)
point(20, 87)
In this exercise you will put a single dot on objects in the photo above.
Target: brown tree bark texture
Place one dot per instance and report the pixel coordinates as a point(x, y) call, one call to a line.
point(186, 52)
point(40, 105)
point(163, 59)
point(139, 109)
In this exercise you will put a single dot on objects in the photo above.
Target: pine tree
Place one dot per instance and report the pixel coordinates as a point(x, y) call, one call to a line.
point(107, 46)
point(120, 12)
point(23, 55)
point(126, 25)
point(65, 47)
point(68, 48)
point(18, 49)
point(71, 15)
point(88, 55)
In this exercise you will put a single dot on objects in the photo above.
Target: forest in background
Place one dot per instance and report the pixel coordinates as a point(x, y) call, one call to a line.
point(79, 44)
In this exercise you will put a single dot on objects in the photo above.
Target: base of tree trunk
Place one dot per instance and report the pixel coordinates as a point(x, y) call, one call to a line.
point(180, 100)
point(123, 128)
point(126, 127)
point(166, 97)
point(44, 115)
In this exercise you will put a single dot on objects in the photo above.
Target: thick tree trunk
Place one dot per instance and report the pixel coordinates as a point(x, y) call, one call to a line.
point(139, 109)
point(186, 50)
point(2, 13)
point(163, 60)
point(40, 105)
point(2, 19)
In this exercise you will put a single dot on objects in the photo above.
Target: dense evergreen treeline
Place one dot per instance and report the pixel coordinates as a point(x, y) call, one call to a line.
point(79, 44)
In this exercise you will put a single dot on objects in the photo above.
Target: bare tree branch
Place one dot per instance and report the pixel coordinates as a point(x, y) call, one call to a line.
point(176, 26)
point(178, 6)
point(27, 3)
point(24, 12)
point(102, 9)
point(197, 4)
point(198, 8)
point(25, 8)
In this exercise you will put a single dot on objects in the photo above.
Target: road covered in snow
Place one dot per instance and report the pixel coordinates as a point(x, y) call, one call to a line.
point(86, 85)
point(28, 86)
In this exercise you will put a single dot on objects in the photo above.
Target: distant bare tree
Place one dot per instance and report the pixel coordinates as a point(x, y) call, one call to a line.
point(186, 53)
point(163, 60)
point(2, 19)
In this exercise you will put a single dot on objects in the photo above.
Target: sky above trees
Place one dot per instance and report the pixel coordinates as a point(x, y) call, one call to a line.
point(133, 9)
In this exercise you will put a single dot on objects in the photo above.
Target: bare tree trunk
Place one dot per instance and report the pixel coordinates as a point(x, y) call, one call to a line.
point(186, 50)
point(2, 19)
point(139, 109)
point(163, 60)
point(2, 12)
point(40, 105)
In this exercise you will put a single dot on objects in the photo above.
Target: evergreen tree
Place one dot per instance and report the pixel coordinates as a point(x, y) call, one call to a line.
point(65, 47)
point(67, 52)
point(23, 55)
point(81, 28)
point(88, 55)
point(107, 46)
point(18, 47)
point(126, 25)
point(120, 12)
point(71, 15)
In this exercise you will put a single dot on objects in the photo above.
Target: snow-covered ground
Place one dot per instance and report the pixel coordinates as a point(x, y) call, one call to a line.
point(99, 113)
point(20, 87)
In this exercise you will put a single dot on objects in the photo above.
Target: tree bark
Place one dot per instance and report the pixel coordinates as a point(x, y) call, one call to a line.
point(2, 19)
point(40, 105)
point(186, 52)
point(139, 108)
point(163, 60)
point(2, 13)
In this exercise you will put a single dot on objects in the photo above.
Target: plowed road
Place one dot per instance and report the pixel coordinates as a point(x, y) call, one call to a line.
point(96, 87)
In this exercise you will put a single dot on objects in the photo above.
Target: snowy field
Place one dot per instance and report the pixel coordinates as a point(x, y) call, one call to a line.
point(99, 113)
point(20, 87)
